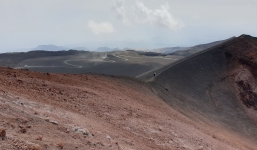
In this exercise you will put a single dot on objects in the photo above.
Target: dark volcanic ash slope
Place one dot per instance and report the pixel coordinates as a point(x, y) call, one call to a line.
point(217, 86)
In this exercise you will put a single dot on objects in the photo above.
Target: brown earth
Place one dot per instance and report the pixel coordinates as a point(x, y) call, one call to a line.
point(244, 72)
point(206, 101)
point(88, 111)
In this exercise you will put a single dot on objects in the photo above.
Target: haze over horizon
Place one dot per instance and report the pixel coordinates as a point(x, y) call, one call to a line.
point(122, 23)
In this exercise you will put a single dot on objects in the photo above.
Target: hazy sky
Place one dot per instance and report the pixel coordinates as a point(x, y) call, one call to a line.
point(123, 23)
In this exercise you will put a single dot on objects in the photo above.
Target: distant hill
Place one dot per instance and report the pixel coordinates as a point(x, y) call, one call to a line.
point(103, 49)
point(81, 48)
point(186, 51)
point(167, 50)
point(195, 49)
point(50, 47)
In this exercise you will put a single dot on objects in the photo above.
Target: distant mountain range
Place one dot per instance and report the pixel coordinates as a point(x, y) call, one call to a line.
point(181, 51)
point(195, 49)
point(52, 47)
point(167, 50)
point(186, 51)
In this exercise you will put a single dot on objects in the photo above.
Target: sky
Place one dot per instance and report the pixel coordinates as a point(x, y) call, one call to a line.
point(122, 23)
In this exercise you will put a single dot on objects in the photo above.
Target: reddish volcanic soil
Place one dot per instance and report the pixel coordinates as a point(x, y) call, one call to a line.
point(58, 111)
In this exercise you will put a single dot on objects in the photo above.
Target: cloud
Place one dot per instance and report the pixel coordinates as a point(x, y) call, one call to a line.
point(118, 6)
point(99, 28)
point(140, 13)
point(158, 17)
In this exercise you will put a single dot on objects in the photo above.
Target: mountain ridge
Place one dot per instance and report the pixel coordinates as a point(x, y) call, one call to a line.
point(208, 83)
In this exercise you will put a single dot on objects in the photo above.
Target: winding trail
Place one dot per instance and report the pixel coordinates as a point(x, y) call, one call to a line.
point(76, 66)
point(67, 63)
point(28, 66)
point(92, 60)
point(115, 55)
point(102, 59)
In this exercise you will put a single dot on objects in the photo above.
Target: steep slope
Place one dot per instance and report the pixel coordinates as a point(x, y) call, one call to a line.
point(88, 111)
point(217, 86)
point(148, 76)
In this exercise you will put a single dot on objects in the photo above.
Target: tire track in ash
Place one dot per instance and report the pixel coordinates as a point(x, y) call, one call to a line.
point(28, 66)
point(67, 62)
point(90, 60)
